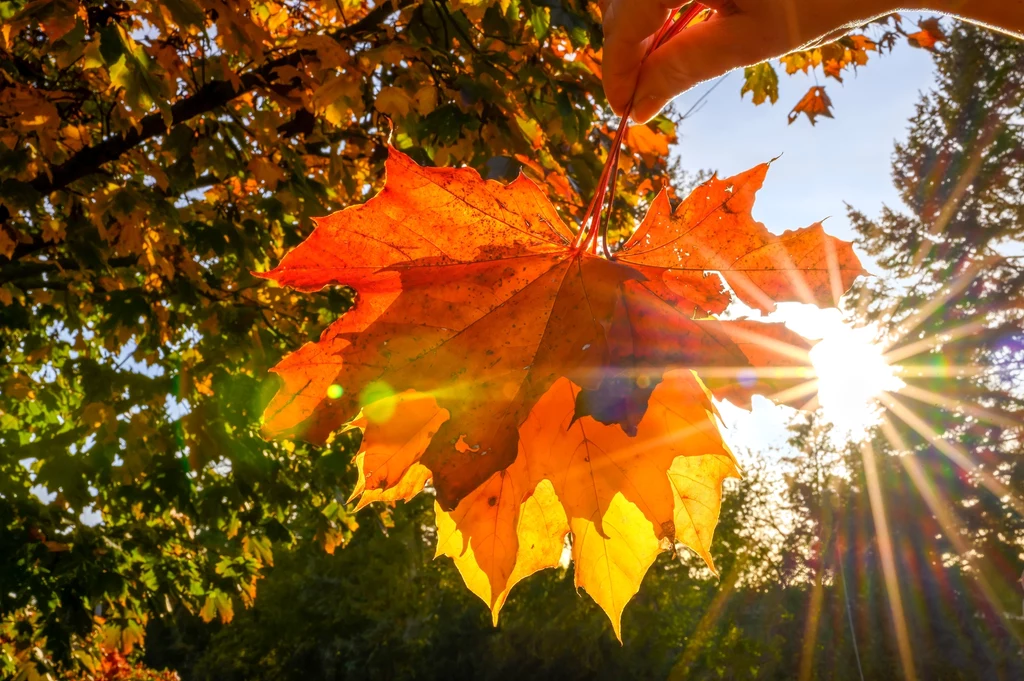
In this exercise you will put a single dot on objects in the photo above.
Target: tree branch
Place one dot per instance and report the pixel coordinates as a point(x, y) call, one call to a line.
point(209, 97)
point(19, 272)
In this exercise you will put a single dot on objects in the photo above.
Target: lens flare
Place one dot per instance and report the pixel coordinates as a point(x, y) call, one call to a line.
point(852, 368)
point(852, 374)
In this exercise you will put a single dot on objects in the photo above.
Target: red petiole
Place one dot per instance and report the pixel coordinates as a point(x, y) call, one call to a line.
point(595, 220)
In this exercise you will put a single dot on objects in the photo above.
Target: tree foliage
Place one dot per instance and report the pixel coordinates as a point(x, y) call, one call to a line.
point(836, 59)
point(803, 589)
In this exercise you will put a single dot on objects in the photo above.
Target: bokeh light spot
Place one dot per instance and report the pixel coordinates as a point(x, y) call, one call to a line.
point(377, 401)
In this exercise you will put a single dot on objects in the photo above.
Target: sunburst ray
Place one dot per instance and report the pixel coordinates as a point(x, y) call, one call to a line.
point(892, 585)
point(980, 413)
point(943, 512)
point(918, 347)
point(953, 452)
point(936, 303)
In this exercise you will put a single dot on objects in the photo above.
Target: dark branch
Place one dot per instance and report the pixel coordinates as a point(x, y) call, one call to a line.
point(22, 272)
point(209, 97)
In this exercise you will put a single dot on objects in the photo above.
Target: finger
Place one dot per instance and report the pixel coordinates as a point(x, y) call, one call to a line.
point(628, 26)
point(697, 54)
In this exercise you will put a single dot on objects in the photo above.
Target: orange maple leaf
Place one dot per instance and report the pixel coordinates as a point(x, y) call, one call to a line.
point(650, 144)
point(930, 34)
point(479, 295)
point(396, 431)
point(815, 103)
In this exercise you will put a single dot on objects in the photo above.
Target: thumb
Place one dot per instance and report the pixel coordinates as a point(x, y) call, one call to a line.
point(697, 54)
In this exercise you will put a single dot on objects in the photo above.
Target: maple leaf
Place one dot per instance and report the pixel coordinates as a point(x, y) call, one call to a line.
point(803, 60)
point(649, 144)
point(478, 294)
point(815, 103)
point(388, 458)
point(833, 58)
point(930, 33)
point(860, 45)
point(762, 82)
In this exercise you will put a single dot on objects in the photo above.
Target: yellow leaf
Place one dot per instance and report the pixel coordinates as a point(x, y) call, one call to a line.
point(339, 98)
point(426, 99)
point(492, 548)
point(475, 9)
point(92, 58)
point(394, 101)
point(217, 604)
point(532, 131)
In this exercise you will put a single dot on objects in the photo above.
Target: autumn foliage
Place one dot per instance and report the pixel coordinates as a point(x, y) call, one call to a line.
point(836, 59)
point(544, 388)
point(113, 666)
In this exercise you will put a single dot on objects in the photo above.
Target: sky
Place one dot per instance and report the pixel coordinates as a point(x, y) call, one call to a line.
point(845, 159)
point(822, 168)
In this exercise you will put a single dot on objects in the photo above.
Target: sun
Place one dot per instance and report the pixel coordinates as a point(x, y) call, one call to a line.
point(852, 375)
point(852, 371)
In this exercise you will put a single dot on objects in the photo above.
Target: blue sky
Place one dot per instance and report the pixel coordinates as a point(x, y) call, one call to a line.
point(845, 159)
point(842, 160)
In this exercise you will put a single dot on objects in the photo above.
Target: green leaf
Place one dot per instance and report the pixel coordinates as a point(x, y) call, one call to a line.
point(540, 20)
point(111, 45)
point(762, 82)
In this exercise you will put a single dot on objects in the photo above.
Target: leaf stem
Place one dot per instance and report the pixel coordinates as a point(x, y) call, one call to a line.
point(594, 227)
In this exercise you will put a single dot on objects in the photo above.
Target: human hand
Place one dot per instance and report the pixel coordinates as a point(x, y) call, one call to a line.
point(741, 33)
